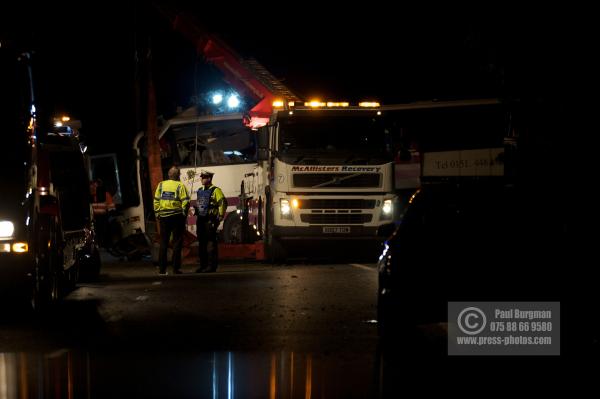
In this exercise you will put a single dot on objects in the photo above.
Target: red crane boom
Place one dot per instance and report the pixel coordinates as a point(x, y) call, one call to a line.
point(247, 76)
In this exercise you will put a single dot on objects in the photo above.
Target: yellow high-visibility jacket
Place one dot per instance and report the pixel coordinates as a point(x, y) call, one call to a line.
point(171, 198)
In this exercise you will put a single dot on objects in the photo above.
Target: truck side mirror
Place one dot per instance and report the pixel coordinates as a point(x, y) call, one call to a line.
point(263, 138)
point(263, 154)
point(263, 143)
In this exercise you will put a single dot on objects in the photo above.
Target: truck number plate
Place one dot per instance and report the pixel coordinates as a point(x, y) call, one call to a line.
point(328, 229)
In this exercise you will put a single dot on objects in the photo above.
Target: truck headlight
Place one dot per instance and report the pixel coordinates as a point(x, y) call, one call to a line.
point(286, 210)
point(387, 207)
point(6, 230)
point(387, 211)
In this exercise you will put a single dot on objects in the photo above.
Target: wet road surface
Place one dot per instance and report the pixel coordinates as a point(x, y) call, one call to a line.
point(250, 330)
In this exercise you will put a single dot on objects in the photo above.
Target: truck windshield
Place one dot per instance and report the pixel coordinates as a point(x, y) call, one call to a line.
point(358, 137)
point(219, 143)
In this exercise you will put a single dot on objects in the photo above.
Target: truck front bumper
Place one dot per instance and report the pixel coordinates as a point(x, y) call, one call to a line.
point(335, 233)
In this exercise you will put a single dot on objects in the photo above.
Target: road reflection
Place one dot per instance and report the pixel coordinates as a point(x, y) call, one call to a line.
point(60, 374)
point(76, 374)
point(400, 364)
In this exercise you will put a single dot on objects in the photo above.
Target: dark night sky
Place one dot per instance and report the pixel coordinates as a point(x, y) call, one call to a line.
point(392, 53)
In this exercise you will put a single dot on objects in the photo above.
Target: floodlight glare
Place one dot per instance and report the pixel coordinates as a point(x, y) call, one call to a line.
point(233, 101)
point(217, 98)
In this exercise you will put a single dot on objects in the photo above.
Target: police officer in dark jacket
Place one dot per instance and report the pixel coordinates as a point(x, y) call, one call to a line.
point(210, 211)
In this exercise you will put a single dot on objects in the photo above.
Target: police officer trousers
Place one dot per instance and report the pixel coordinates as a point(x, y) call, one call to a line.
point(176, 225)
point(208, 250)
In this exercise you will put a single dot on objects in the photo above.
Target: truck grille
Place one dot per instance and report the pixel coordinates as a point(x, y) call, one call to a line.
point(338, 203)
point(333, 218)
point(337, 179)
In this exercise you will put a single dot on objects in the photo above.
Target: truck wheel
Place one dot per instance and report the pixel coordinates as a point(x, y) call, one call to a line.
point(274, 251)
point(40, 294)
point(47, 284)
point(56, 286)
point(232, 229)
point(49, 274)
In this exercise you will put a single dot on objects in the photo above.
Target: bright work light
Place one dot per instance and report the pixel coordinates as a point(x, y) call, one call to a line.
point(233, 101)
point(217, 98)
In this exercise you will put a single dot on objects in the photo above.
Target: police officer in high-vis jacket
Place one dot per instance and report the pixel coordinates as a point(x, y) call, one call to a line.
point(210, 211)
point(171, 204)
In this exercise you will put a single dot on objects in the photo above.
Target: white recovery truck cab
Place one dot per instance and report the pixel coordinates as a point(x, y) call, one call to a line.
point(324, 174)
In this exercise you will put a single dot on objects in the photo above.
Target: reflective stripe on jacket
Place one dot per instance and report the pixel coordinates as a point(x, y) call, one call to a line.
point(218, 203)
point(171, 198)
point(102, 207)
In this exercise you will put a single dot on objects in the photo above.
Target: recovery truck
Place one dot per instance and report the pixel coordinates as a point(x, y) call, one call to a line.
point(324, 174)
